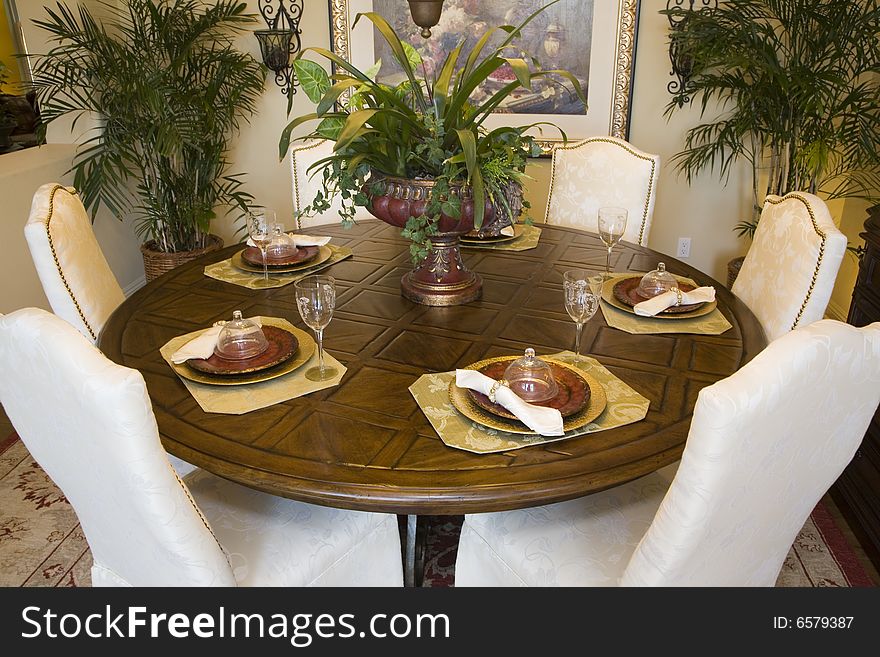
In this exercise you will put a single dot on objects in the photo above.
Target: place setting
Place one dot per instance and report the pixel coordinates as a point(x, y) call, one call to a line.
point(508, 402)
point(518, 237)
point(273, 258)
point(246, 363)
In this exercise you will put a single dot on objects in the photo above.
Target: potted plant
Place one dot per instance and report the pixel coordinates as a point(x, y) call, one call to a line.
point(797, 84)
point(8, 122)
point(170, 91)
point(417, 154)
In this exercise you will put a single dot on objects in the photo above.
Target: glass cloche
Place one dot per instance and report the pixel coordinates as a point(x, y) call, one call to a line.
point(240, 338)
point(281, 245)
point(656, 282)
point(531, 378)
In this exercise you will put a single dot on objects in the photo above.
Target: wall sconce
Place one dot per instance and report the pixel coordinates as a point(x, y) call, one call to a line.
point(682, 64)
point(425, 14)
point(281, 40)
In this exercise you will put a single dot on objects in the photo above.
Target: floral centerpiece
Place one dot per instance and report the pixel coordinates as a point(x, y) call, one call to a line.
point(418, 155)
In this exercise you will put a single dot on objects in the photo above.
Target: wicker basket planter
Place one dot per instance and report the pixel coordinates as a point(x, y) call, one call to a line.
point(733, 268)
point(157, 263)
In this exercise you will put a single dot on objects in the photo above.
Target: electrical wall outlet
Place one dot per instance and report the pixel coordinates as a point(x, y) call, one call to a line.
point(684, 247)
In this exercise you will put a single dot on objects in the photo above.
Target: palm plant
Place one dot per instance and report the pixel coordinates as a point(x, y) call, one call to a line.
point(170, 90)
point(421, 128)
point(798, 87)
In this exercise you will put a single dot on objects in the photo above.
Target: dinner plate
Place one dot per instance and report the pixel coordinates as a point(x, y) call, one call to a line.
point(324, 254)
point(572, 397)
point(254, 257)
point(626, 290)
point(465, 404)
point(282, 344)
point(473, 238)
point(608, 297)
point(305, 342)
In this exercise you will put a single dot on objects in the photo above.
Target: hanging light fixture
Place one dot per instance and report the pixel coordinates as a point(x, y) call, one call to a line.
point(425, 14)
point(281, 40)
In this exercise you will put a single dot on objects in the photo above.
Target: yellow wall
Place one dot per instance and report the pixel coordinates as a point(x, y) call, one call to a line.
point(7, 49)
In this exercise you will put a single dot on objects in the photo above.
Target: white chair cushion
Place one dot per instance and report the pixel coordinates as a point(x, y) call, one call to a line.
point(273, 541)
point(582, 542)
point(306, 184)
point(789, 272)
point(74, 273)
point(603, 171)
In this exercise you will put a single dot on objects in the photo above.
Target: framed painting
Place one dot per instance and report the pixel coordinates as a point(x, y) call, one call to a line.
point(593, 39)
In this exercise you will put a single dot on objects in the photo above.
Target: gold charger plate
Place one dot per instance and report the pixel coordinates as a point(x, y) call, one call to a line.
point(324, 254)
point(464, 403)
point(307, 347)
point(608, 297)
point(497, 239)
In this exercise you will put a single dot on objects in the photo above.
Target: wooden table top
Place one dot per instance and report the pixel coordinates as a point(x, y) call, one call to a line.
point(365, 444)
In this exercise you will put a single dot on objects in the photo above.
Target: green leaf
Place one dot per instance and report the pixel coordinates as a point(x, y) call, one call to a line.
point(333, 93)
point(399, 52)
point(313, 79)
point(330, 127)
point(373, 71)
point(353, 125)
point(520, 70)
point(412, 55)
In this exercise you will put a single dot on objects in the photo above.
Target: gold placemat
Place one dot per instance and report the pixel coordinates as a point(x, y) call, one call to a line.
point(528, 240)
point(430, 391)
point(226, 272)
point(236, 400)
point(714, 323)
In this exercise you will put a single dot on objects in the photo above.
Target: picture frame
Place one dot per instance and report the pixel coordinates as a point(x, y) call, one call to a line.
point(608, 83)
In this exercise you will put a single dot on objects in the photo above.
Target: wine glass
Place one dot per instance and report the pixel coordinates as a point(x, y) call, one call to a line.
point(261, 227)
point(316, 299)
point(612, 223)
point(581, 302)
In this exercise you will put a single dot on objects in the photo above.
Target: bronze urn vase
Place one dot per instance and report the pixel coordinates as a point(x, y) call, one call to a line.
point(441, 279)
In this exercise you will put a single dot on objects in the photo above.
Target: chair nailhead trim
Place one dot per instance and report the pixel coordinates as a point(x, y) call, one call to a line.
point(821, 249)
point(82, 316)
point(605, 140)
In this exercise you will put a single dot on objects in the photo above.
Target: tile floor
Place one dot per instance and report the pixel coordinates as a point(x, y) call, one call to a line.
point(6, 429)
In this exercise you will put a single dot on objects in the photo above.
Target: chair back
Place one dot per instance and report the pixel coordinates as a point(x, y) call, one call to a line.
point(764, 446)
point(89, 424)
point(603, 171)
point(307, 181)
point(74, 273)
point(788, 274)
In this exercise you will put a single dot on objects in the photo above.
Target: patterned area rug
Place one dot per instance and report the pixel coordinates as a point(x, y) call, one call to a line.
point(42, 544)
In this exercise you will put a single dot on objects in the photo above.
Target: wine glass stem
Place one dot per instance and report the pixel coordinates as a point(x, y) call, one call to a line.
point(319, 333)
point(577, 341)
point(265, 266)
point(608, 263)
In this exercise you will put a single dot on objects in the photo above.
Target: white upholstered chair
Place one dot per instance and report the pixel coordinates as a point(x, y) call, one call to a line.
point(603, 171)
point(764, 445)
point(89, 423)
point(306, 184)
point(73, 271)
point(789, 272)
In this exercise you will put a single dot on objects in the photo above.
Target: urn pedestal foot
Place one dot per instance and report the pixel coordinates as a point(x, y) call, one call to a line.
point(442, 279)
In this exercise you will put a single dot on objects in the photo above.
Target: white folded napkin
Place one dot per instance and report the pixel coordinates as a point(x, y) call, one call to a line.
point(202, 346)
point(509, 231)
point(546, 421)
point(302, 240)
point(668, 299)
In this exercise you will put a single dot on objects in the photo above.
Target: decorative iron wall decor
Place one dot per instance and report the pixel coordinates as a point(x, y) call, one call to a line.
point(682, 87)
point(281, 41)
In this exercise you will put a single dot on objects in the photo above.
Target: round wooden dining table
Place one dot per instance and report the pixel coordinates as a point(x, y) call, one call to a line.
point(365, 444)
